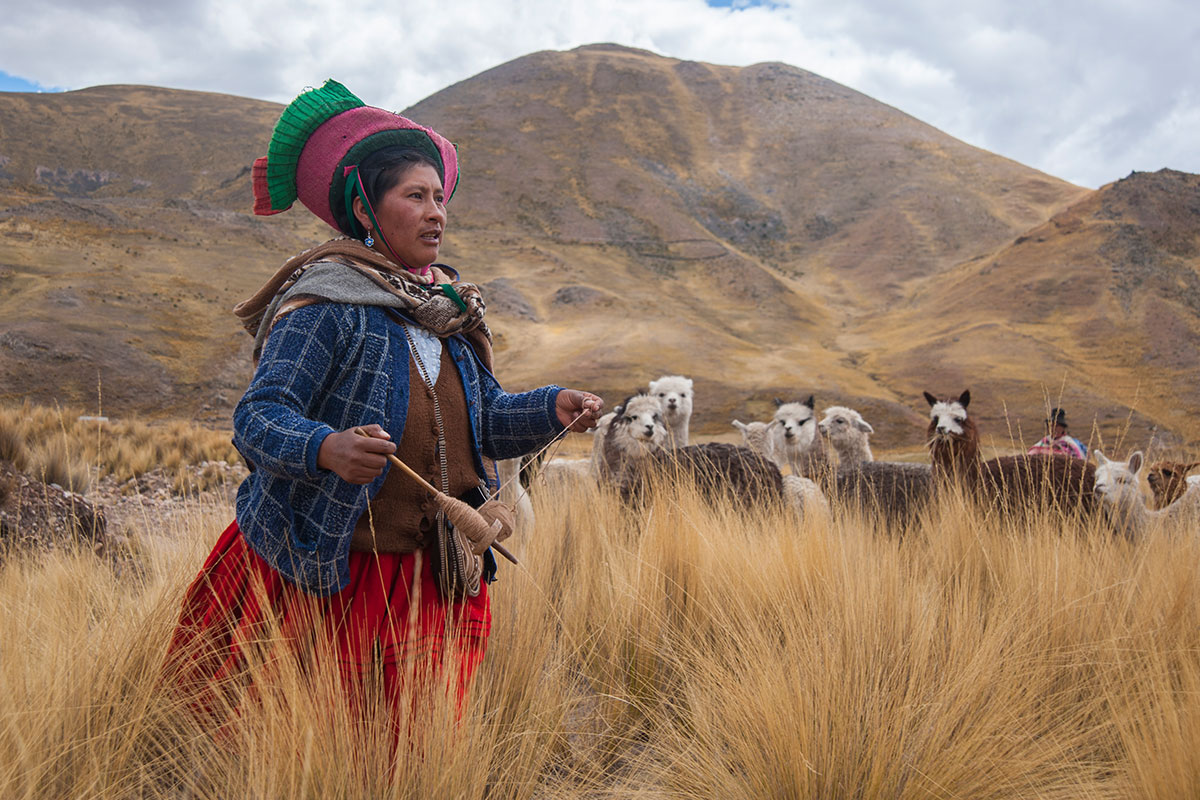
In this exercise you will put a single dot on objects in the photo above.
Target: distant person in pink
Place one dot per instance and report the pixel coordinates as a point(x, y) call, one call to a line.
point(1058, 440)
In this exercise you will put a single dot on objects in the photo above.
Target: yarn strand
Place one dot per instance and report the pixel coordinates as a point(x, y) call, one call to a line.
point(555, 442)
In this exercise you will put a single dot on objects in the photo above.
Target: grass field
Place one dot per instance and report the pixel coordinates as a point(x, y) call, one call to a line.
point(682, 652)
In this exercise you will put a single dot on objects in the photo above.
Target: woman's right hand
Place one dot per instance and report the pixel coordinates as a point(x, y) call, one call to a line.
point(354, 457)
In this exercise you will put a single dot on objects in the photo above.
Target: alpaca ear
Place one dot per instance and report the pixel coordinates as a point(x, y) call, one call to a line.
point(964, 399)
point(811, 403)
point(778, 402)
point(619, 411)
point(864, 426)
point(741, 426)
point(930, 399)
point(1101, 459)
point(1135, 462)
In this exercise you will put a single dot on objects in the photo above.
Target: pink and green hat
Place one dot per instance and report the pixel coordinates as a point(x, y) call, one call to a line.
point(320, 136)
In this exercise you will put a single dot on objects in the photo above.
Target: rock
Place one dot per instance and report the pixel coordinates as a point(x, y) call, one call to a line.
point(575, 295)
point(503, 298)
point(35, 515)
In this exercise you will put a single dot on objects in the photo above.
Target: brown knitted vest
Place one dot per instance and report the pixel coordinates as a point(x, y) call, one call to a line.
point(402, 516)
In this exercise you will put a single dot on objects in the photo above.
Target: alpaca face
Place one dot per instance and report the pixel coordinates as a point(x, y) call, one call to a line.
point(640, 420)
point(674, 392)
point(1118, 482)
point(795, 423)
point(840, 422)
point(946, 418)
point(1169, 480)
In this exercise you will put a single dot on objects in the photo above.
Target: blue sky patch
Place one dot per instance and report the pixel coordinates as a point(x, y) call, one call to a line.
point(13, 83)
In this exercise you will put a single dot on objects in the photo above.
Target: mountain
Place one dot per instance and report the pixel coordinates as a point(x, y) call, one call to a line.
point(762, 229)
point(1100, 304)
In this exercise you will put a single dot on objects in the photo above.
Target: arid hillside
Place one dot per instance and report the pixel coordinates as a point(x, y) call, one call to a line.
point(1100, 305)
point(762, 229)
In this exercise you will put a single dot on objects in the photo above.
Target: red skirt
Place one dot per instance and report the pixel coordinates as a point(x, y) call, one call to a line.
point(372, 627)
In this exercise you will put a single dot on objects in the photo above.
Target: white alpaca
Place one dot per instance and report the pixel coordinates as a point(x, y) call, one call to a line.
point(1119, 485)
point(847, 432)
point(794, 439)
point(757, 436)
point(675, 394)
point(634, 432)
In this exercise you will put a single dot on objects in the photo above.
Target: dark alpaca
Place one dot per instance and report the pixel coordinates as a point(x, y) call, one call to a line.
point(1168, 480)
point(1015, 483)
point(721, 472)
point(894, 490)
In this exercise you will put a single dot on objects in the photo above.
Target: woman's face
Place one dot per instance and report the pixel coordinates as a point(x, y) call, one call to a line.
point(412, 216)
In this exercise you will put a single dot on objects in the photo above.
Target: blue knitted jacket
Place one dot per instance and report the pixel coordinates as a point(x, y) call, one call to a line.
point(325, 368)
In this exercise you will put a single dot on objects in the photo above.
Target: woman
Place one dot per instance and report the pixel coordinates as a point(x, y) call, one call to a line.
point(365, 348)
point(1057, 440)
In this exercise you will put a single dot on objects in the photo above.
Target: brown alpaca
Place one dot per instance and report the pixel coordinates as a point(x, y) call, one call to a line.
point(1016, 483)
point(1168, 480)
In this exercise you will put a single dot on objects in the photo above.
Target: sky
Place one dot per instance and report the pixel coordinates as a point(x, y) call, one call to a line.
point(1086, 91)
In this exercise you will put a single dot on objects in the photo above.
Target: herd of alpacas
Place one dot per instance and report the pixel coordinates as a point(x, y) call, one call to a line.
point(830, 467)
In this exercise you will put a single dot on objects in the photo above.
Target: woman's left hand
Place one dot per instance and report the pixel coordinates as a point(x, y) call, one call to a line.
point(577, 411)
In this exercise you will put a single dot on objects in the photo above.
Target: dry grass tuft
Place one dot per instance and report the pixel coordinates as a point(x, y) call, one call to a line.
point(683, 651)
point(50, 461)
point(64, 446)
point(12, 443)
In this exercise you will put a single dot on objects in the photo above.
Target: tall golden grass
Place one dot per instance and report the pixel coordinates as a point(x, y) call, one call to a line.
point(678, 651)
point(65, 446)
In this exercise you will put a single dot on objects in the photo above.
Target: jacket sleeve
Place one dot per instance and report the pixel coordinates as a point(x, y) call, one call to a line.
point(516, 424)
point(273, 425)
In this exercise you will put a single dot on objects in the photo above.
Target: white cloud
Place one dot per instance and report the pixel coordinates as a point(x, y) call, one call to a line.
point(1085, 91)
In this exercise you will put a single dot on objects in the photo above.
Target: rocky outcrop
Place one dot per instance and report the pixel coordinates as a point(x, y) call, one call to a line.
point(36, 515)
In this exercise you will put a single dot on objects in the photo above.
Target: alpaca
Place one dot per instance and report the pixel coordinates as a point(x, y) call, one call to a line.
point(847, 433)
point(1016, 483)
point(794, 439)
point(635, 431)
point(635, 453)
point(757, 436)
point(1118, 484)
point(675, 394)
point(717, 470)
point(1169, 480)
point(895, 490)
point(726, 472)
point(804, 495)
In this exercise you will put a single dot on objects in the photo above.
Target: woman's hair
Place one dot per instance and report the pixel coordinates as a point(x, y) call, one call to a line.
point(380, 172)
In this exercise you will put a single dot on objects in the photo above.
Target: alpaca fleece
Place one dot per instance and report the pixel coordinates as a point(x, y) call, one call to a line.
point(721, 472)
point(896, 491)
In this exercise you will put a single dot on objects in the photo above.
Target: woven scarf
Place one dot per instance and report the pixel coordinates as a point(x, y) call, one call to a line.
point(344, 270)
